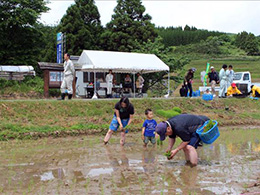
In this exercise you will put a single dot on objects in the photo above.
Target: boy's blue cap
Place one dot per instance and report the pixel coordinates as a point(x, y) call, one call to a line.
point(161, 130)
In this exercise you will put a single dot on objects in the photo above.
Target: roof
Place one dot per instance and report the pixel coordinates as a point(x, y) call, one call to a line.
point(123, 62)
point(56, 66)
point(21, 69)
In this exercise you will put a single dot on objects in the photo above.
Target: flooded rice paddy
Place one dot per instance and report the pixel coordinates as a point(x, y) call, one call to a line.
point(83, 165)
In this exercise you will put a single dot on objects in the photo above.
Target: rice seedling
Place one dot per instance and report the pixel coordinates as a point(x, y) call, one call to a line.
point(87, 184)
point(167, 154)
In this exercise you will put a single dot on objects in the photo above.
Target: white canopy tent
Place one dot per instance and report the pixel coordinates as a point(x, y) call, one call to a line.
point(121, 62)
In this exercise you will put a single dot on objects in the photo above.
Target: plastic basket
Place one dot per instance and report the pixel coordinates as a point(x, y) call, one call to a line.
point(194, 93)
point(210, 136)
point(207, 97)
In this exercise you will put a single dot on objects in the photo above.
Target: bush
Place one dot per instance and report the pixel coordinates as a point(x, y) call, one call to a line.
point(54, 92)
point(30, 83)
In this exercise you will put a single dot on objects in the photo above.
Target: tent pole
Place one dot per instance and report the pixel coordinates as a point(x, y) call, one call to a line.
point(95, 82)
point(169, 83)
point(134, 84)
point(95, 87)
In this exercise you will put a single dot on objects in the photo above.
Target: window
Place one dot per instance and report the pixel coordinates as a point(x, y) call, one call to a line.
point(246, 77)
point(237, 76)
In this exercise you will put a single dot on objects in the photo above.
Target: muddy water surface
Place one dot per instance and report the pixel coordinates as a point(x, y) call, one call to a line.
point(83, 165)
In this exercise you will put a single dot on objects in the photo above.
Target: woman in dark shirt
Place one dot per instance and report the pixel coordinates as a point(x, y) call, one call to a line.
point(123, 117)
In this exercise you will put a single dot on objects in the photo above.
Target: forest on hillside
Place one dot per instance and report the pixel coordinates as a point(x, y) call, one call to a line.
point(24, 40)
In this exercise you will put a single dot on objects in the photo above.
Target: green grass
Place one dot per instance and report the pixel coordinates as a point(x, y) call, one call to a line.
point(34, 119)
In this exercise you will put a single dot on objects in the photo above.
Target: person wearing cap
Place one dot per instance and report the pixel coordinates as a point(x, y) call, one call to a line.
point(213, 79)
point(233, 90)
point(255, 90)
point(184, 126)
point(223, 81)
point(188, 80)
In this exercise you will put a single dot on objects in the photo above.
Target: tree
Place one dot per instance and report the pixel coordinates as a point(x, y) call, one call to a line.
point(248, 42)
point(20, 39)
point(48, 49)
point(176, 36)
point(157, 47)
point(82, 26)
point(129, 27)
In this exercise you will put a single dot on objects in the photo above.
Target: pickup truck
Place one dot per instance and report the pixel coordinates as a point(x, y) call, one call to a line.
point(242, 80)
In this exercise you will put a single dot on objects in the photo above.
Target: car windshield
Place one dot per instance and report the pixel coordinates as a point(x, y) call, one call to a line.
point(237, 76)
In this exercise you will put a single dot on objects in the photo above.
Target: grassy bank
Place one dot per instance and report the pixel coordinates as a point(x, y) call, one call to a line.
point(42, 118)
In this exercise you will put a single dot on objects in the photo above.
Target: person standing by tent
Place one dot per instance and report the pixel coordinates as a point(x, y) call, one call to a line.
point(109, 81)
point(128, 83)
point(184, 126)
point(69, 74)
point(223, 81)
point(139, 84)
point(213, 79)
point(188, 80)
point(123, 116)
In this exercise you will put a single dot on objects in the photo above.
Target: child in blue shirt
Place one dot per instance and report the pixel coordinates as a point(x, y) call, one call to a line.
point(148, 130)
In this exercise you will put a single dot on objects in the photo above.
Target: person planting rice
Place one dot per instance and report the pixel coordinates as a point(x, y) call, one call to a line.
point(183, 126)
point(123, 117)
point(148, 130)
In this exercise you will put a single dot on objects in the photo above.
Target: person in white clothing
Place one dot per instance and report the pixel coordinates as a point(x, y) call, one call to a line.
point(139, 84)
point(68, 77)
point(230, 74)
point(109, 81)
point(223, 81)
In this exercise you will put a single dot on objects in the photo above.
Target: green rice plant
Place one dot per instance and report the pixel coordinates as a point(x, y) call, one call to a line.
point(177, 109)
point(87, 183)
point(159, 142)
point(208, 126)
point(167, 113)
point(167, 154)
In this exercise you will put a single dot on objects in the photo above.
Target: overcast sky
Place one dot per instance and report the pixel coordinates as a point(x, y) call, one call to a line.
point(224, 16)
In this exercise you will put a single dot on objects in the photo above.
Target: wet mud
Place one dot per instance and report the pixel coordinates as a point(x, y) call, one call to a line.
point(83, 165)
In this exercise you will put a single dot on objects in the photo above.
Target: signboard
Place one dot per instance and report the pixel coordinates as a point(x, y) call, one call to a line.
point(56, 78)
point(59, 37)
point(59, 53)
point(59, 47)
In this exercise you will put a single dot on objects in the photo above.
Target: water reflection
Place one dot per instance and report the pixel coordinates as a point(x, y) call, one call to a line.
point(115, 170)
point(149, 160)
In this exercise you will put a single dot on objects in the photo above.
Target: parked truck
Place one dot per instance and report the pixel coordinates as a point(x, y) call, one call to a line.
point(243, 81)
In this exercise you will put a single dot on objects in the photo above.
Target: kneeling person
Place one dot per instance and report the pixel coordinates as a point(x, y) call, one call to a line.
point(183, 126)
point(148, 130)
point(233, 90)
